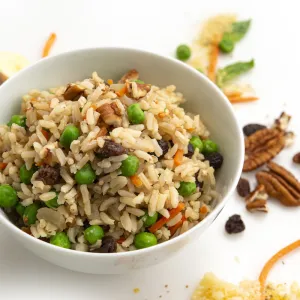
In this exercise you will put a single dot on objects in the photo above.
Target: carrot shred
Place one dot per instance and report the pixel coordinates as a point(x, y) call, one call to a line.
point(121, 240)
point(102, 132)
point(174, 228)
point(271, 262)
point(233, 94)
point(213, 61)
point(161, 115)
point(135, 179)
point(110, 81)
point(237, 99)
point(122, 91)
point(49, 44)
point(178, 157)
point(203, 209)
point(2, 165)
point(161, 222)
point(190, 129)
point(46, 134)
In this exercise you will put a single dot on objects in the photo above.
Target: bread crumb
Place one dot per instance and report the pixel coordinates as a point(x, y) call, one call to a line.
point(166, 285)
point(187, 286)
point(136, 290)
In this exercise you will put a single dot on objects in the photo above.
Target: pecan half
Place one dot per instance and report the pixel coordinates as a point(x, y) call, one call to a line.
point(108, 115)
point(280, 184)
point(261, 147)
point(289, 138)
point(282, 122)
point(130, 75)
point(73, 92)
point(2, 78)
point(296, 158)
point(137, 90)
point(257, 200)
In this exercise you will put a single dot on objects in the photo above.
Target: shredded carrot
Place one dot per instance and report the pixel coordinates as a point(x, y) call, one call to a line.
point(161, 115)
point(46, 134)
point(121, 240)
point(102, 132)
point(190, 129)
point(161, 222)
point(236, 99)
point(122, 91)
point(213, 60)
point(203, 209)
point(178, 157)
point(2, 165)
point(94, 106)
point(271, 262)
point(174, 228)
point(233, 94)
point(135, 179)
point(49, 44)
point(110, 81)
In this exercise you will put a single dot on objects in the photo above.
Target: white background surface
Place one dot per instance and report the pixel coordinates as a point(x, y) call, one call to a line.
point(159, 26)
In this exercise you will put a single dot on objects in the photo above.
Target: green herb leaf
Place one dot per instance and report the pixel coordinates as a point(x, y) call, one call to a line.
point(232, 71)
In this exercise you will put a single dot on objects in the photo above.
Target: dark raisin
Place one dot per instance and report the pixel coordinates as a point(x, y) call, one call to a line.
point(110, 148)
point(49, 175)
point(190, 151)
point(14, 217)
point(243, 187)
point(215, 160)
point(234, 224)
point(109, 245)
point(199, 184)
point(86, 224)
point(252, 128)
point(164, 145)
point(296, 158)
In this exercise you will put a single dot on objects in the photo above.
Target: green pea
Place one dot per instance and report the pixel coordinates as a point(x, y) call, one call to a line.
point(8, 196)
point(135, 114)
point(20, 209)
point(29, 215)
point(148, 220)
point(93, 233)
point(52, 203)
point(196, 143)
point(17, 119)
point(209, 147)
point(25, 175)
point(86, 175)
point(145, 240)
point(70, 134)
point(226, 45)
point(183, 52)
point(187, 188)
point(130, 165)
point(60, 239)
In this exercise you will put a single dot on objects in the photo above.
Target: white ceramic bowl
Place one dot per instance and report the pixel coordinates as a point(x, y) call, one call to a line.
point(203, 97)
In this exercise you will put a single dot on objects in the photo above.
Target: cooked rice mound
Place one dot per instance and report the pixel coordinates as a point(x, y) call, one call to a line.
point(113, 201)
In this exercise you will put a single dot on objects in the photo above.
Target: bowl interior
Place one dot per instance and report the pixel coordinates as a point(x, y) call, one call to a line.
point(202, 96)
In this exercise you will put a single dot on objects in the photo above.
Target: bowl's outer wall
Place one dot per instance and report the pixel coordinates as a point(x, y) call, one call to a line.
point(203, 98)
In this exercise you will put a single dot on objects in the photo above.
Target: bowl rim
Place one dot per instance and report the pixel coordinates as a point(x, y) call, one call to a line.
point(213, 215)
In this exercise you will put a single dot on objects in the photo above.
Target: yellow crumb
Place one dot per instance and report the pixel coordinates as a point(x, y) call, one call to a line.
point(136, 290)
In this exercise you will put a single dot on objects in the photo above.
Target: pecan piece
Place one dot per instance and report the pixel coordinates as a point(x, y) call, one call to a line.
point(130, 75)
point(280, 184)
point(137, 90)
point(296, 158)
point(261, 147)
point(73, 92)
point(257, 200)
point(2, 78)
point(108, 115)
point(282, 122)
point(289, 138)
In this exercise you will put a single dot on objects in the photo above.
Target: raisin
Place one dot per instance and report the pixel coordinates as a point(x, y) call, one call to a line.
point(111, 148)
point(215, 160)
point(199, 184)
point(243, 187)
point(190, 151)
point(14, 217)
point(252, 128)
point(164, 145)
point(49, 175)
point(296, 158)
point(234, 224)
point(109, 245)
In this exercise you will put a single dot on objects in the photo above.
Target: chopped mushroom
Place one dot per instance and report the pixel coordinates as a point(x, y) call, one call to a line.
point(52, 216)
point(73, 92)
point(130, 75)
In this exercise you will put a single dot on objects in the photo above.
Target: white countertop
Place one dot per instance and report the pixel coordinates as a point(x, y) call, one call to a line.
point(159, 26)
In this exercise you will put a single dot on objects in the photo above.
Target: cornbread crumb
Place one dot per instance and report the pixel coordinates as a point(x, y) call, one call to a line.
point(136, 290)
point(212, 288)
point(187, 286)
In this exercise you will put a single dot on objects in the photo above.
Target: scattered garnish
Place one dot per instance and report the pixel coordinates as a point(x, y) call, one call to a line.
point(234, 224)
point(296, 158)
point(49, 44)
point(243, 187)
point(136, 290)
point(242, 99)
point(213, 61)
point(183, 52)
